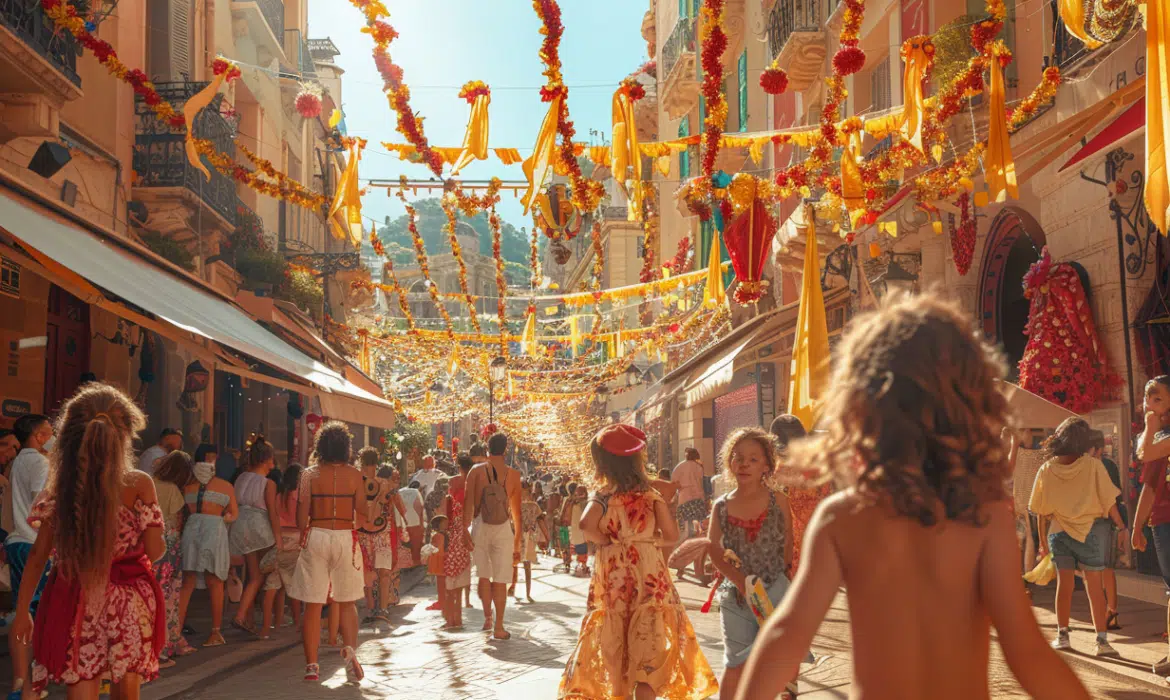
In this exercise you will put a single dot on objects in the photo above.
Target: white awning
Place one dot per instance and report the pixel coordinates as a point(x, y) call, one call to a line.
point(181, 304)
point(717, 374)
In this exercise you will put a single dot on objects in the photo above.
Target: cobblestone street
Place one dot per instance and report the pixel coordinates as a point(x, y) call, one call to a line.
point(416, 660)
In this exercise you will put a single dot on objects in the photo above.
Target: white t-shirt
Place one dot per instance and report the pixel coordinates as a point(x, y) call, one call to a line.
point(427, 478)
point(30, 471)
point(576, 534)
point(146, 461)
point(411, 497)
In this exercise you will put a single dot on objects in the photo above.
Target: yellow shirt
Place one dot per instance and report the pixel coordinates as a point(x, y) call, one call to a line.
point(1075, 495)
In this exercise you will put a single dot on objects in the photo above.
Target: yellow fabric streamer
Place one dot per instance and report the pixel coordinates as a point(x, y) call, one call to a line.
point(197, 102)
point(600, 155)
point(538, 165)
point(475, 142)
point(852, 188)
point(913, 107)
point(335, 119)
point(1157, 113)
point(626, 154)
point(1001, 168)
point(810, 352)
point(663, 165)
point(574, 334)
point(345, 214)
point(508, 156)
point(528, 337)
point(1072, 13)
point(714, 293)
point(453, 361)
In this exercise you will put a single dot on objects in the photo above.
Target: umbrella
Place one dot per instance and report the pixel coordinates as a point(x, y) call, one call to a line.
point(688, 552)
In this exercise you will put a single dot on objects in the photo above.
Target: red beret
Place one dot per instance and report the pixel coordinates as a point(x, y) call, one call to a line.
point(621, 440)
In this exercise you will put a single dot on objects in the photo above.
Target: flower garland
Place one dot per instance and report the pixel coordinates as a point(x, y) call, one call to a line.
point(650, 226)
point(681, 259)
point(409, 124)
point(251, 179)
point(501, 280)
point(711, 54)
point(534, 260)
point(472, 204)
point(1042, 95)
point(963, 236)
point(598, 255)
point(850, 58)
point(420, 252)
point(473, 89)
point(586, 194)
point(448, 204)
point(285, 182)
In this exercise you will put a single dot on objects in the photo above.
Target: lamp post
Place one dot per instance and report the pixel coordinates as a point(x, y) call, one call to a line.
point(496, 371)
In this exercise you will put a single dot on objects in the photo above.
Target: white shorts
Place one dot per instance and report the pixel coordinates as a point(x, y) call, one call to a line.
point(383, 559)
point(330, 566)
point(494, 545)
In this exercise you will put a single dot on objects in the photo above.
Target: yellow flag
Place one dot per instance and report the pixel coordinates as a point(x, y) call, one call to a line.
point(335, 119)
point(810, 352)
point(345, 214)
point(190, 110)
point(1157, 113)
point(528, 337)
point(1000, 167)
point(852, 188)
point(714, 295)
point(574, 334)
point(538, 165)
point(913, 106)
point(1072, 13)
point(475, 142)
point(626, 154)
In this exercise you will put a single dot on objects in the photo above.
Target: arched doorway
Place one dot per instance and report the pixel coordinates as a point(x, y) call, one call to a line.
point(1013, 245)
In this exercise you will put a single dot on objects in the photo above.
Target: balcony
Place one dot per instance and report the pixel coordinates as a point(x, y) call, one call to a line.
point(679, 70)
point(797, 41)
point(650, 32)
point(263, 22)
point(179, 199)
point(38, 71)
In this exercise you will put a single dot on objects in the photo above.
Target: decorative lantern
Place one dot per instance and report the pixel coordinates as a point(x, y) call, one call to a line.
point(194, 383)
point(308, 102)
point(749, 242)
point(556, 214)
point(561, 252)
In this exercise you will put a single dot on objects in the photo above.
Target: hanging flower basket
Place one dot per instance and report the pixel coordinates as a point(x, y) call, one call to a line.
point(308, 102)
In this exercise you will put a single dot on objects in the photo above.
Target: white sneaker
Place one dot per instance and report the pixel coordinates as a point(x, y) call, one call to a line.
point(1061, 643)
point(1105, 649)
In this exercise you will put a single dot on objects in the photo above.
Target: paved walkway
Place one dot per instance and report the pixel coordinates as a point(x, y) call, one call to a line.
point(415, 660)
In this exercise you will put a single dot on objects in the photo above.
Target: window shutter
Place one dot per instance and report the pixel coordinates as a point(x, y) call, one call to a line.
point(180, 38)
point(684, 157)
point(743, 93)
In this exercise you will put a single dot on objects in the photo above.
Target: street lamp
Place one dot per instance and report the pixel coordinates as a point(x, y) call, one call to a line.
point(497, 369)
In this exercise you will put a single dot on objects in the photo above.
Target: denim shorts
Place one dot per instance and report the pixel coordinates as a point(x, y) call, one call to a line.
point(17, 554)
point(739, 623)
point(1162, 549)
point(1094, 554)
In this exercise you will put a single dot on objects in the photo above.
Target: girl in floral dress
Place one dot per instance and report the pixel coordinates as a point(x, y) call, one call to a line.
point(636, 639)
point(101, 612)
point(173, 473)
point(457, 565)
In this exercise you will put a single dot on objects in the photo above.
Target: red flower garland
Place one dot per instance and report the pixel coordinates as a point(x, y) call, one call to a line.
point(774, 80)
point(848, 60)
point(711, 56)
point(963, 236)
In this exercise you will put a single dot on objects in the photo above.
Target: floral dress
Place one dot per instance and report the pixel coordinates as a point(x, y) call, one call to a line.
point(803, 503)
point(636, 629)
point(118, 633)
point(168, 570)
point(458, 558)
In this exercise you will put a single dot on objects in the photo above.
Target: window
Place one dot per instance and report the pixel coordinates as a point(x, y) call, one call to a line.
point(684, 157)
point(879, 86)
point(743, 92)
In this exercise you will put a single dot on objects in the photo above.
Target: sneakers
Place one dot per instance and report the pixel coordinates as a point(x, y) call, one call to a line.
point(1061, 643)
point(1105, 649)
point(1161, 667)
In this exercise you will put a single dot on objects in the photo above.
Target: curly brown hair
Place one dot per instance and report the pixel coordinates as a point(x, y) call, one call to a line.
point(762, 437)
point(333, 443)
point(90, 465)
point(914, 415)
point(622, 474)
point(1073, 438)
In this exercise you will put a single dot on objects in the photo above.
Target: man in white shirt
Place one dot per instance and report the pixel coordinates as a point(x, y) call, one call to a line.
point(168, 441)
point(412, 500)
point(30, 471)
point(427, 476)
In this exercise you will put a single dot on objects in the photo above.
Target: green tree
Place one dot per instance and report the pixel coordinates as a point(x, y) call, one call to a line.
point(514, 247)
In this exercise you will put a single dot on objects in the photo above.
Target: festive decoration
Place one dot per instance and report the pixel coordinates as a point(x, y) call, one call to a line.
point(848, 60)
point(448, 203)
point(918, 54)
point(345, 213)
point(308, 101)
point(420, 251)
point(999, 167)
point(1064, 360)
point(774, 80)
point(626, 156)
point(598, 255)
point(810, 351)
point(650, 225)
point(963, 236)
point(714, 43)
point(222, 71)
point(749, 242)
point(475, 143)
point(1157, 196)
point(224, 164)
point(501, 280)
point(1044, 93)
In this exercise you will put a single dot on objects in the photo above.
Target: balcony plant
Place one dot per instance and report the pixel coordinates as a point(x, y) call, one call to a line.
point(168, 248)
point(303, 291)
point(262, 270)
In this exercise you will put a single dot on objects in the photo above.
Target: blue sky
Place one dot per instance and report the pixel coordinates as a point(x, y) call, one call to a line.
point(445, 43)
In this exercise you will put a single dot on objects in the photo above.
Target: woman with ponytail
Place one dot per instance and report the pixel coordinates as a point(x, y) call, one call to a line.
point(102, 611)
point(258, 527)
point(204, 551)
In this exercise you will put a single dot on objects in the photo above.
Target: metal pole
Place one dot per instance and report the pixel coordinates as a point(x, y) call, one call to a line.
point(491, 401)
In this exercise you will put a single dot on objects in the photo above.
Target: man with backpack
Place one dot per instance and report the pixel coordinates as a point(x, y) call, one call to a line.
point(493, 496)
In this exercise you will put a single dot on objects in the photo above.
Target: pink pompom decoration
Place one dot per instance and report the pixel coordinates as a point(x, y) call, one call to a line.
point(308, 104)
point(848, 60)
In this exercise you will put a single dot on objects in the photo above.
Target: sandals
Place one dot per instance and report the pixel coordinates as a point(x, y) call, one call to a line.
point(215, 639)
point(312, 672)
point(354, 672)
point(165, 662)
point(245, 627)
point(1112, 621)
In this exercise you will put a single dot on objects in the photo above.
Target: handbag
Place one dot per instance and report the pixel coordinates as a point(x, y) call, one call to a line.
point(1044, 572)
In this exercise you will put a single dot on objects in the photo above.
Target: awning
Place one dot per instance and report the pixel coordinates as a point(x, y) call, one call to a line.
point(717, 374)
point(1130, 121)
point(1033, 411)
point(181, 304)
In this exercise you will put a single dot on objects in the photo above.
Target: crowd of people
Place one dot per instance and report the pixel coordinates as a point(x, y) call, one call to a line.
point(904, 500)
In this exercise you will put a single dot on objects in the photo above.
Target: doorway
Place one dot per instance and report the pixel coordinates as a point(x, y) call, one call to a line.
point(1013, 246)
point(67, 350)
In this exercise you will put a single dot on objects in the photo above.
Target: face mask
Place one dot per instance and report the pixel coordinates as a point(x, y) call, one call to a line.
point(204, 471)
point(50, 444)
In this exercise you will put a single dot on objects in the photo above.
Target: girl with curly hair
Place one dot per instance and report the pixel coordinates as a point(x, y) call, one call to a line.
point(102, 611)
point(923, 534)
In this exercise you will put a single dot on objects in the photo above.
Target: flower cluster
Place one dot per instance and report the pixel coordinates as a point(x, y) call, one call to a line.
point(944, 182)
point(711, 55)
point(501, 280)
point(420, 252)
point(448, 203)
point(650, 225)
point(224, 67)
point(473, 89)
point(774, 80)
point(1042, 95)
point(598, 255)
point(963, 236)
point(682, 259)
point(290, 191)
point(308, 102)
point(471, 204)
point(632, 89)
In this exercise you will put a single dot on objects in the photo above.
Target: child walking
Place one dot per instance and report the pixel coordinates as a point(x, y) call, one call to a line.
point(751, 535)
point(102, 611)
point(577, 535)
point(636, 639)
point(437, 561)
point(923, 536)
point(457, 564)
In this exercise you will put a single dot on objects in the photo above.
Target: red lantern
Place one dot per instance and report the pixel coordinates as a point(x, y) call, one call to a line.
point(749, 241)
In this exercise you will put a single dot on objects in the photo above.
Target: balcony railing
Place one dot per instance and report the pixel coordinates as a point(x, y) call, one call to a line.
point(27, 20)
point(160, 157)
point(682, 40)
point(788, 16)
point(273, 11)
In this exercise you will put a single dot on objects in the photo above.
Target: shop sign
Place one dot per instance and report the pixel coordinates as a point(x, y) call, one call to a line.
point(14, 408)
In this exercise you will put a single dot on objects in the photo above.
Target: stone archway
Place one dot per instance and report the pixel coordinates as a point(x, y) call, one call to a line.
point(1013, 245)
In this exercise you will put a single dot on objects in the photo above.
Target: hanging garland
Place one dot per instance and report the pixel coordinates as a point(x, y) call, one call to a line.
point(284, 182)
point(587, 194)
point(448, 204)
point(713, 45)
point(251, 179)
point(650, 225)
point(534, 261)
point(420, 252)
point(1044, 93)
point(598, 255)
point(963, 236)
point(501, 280)
point(472, 204)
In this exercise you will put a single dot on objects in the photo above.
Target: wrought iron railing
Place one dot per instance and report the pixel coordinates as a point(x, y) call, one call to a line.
point(273, 11)
point(27, 20)
point(682, 40)
point(788, 16)
point(160, 157)
point(614, 213)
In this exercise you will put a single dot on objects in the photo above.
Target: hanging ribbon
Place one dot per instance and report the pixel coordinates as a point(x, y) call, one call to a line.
point(714, 294)
point(574, 334)
point(810, 351)
point(625, 152)
point(1001, 168)
point(528, 337)
point(190, 110)
point(1072, 13)
point(345, 214)
point(537, 167)
point(852, 188)
point(475, 142)
point(918, 54)
point(1157, 114)
point(453, 361)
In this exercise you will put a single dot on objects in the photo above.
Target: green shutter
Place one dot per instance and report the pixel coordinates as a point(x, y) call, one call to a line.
point(743, 94)
point(683, 6)
point(703, 252)
point(695, 7)
point(702, 109)
point(684, 156)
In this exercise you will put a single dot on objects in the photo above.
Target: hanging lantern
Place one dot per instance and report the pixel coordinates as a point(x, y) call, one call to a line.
point(561, 252)
point(308, 102)
point(194, 383)
point(556, 214)
point(749, 240)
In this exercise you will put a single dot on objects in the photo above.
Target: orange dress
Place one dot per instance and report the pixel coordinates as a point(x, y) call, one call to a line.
point(636, 629)
point(435, 563)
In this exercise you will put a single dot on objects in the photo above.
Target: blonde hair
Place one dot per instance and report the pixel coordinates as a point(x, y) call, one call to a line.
point(88, 470)
point(761, 437)
point(913, 414)
point(620, 473)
